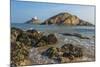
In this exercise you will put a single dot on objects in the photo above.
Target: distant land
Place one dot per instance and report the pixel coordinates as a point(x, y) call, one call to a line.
point(61, 19)
point(34, 20)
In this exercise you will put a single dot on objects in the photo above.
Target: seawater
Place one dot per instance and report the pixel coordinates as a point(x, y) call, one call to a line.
point(84, 30)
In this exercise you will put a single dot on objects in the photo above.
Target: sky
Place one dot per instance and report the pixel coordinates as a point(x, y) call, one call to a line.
point(23, 11)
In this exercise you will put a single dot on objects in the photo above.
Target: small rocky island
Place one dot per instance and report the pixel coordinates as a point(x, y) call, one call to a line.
point(66, 19)
point(34, 20)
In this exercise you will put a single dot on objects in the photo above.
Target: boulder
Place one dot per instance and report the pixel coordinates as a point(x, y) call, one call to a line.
point(34, 34)
point(14, 33)
point(50, 52)
point(19, 52)
point(72, 51)
point(41, 42)
point(52, 39)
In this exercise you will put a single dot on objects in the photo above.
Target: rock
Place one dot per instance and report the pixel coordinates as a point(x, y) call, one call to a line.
point(52, 39)
point(46, 40)
point(34, 34)
point(80, 36)
point(76, 35)
point(50, 52)
point(85, 23)
point(77, 52)
point(23, 41)
point(20, 47)
point(66, 19)
point(19, 52)
point(71, 51)
point(67, 47)
point(41, 42)
point(68, 55)
point(34, 20)
point(14, 33)
point(22, 37)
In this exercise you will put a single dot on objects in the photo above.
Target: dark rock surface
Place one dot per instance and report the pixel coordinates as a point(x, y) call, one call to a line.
point(67, 51)
point(23, 41)
point(76, 35)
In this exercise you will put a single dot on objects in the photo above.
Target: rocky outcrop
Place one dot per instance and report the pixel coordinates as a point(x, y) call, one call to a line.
point(71, 51)
point(67, 51)
point(76, 35)
point(23, 41)
point(66, 19)
point(45, 46)
point(34, 20)
point(47, 40)
point(20, 46)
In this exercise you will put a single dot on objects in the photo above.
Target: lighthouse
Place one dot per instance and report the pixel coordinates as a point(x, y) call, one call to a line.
point(35, 18)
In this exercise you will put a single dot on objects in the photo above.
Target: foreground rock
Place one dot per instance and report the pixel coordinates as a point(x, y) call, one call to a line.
point(71, 51)
point(34, 47)
point(66, 19)
point(23, 41)
point(20, 47)
point(46, 40)
point(52, 39)
point(67, 51)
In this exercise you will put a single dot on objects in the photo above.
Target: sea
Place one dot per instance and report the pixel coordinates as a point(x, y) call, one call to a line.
point(84, 30)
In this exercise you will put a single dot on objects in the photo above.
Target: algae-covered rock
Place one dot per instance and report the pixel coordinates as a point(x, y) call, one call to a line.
point(46, 40)
point(14, 33)
point(52, 39)
point(50, 52)
point(20, 47)
point(71, 51)
point(19, 52)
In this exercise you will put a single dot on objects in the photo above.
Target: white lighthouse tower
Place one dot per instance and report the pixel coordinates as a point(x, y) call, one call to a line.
point(35, 18)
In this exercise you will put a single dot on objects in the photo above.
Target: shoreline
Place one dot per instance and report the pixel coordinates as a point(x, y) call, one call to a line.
point(32, 39)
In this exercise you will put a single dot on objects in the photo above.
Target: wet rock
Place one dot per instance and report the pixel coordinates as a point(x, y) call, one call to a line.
point(19, 53)
point(77, 52)
point(14, 33)
point(68, 55)
point(80, 36)
point(46, 40)
point(34, 34)
point(50, 52)
point(67, 47)
point(76, 35)
point(52, 39)
point(41, 42)
point(71, 51)
point(19, 47)
point(13, 30)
